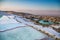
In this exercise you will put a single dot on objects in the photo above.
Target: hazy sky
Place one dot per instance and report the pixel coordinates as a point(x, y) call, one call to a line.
point(29, 4)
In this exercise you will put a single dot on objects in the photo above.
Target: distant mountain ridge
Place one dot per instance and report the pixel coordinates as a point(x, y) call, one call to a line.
point(39, 12)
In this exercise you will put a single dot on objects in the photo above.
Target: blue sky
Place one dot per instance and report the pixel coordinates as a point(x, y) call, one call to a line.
point(30, 4)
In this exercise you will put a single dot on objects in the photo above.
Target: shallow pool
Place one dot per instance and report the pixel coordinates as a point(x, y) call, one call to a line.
point(24, 33)
point(8, 23)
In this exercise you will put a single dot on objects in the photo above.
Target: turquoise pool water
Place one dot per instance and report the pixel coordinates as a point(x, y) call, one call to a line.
point(45, 22)
point(24, 33)
point(0, 16)
point(9, 26)
point(7, 23)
